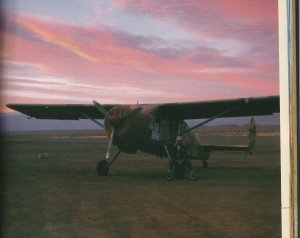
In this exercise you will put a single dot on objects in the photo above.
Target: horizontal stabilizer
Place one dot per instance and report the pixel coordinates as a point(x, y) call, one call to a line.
point(210, 148)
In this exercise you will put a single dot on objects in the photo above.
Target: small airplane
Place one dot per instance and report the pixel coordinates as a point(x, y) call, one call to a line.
point(153, 128)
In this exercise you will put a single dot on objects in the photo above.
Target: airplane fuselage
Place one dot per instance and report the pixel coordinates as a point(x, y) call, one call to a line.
point(145, 133)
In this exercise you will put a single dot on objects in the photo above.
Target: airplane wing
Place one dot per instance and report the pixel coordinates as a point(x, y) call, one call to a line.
point(180, 111)
point(223, 108)
point(60, 111)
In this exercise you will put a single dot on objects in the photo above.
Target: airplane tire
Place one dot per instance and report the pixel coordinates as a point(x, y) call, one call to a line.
point(179, 170)
point(102, 168)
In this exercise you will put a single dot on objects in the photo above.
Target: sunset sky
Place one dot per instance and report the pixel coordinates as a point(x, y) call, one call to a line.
point(151, 51)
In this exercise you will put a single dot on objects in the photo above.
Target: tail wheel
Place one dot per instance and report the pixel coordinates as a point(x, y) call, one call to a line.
point(102, 168)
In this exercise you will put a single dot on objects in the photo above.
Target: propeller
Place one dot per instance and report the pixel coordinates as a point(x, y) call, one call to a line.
point(116, 122)
point(130, 114)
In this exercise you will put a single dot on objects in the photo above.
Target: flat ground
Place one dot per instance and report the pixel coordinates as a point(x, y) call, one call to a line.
point(60, 195)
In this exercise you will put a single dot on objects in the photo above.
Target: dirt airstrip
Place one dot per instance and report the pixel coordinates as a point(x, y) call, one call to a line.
point(52, 190)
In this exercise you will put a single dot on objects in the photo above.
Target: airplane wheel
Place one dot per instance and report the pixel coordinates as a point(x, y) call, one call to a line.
point(179, 170)
point(204, 164)
point(102, 168)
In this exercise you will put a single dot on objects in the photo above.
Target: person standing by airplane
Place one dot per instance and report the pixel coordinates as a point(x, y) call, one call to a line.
point(178, 153)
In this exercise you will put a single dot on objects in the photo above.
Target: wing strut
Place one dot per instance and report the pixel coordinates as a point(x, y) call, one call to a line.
point(201, 124)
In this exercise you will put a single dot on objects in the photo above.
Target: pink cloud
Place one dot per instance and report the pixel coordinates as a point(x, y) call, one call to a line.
point(252, 23)
point(198, 14)
point(108, 60)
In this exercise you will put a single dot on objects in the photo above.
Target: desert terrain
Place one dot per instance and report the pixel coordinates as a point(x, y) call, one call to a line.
point(52, 189)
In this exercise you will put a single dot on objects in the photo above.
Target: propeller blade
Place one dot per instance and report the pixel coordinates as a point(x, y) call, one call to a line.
point(100, 108)
point(130, 114)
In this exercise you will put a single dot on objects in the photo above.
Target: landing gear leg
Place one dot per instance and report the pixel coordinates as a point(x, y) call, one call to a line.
point(103, 165)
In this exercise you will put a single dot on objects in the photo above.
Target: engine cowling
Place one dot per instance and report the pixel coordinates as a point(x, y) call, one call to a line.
point(129, 131)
